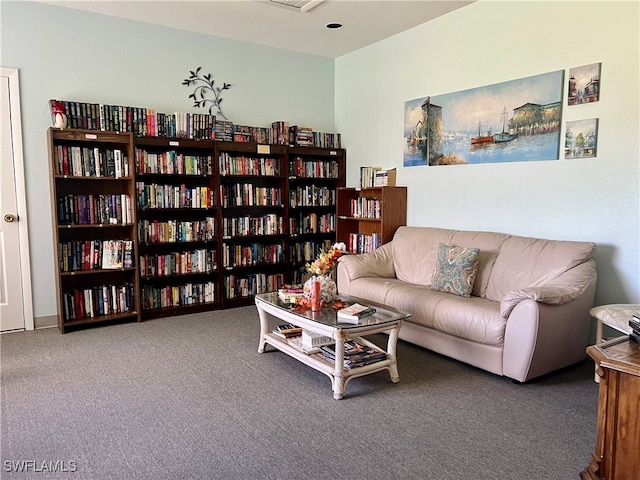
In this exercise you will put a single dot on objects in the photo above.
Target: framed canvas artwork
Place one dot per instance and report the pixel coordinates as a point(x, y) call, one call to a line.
point(581, 138)
point(513, 121)
point(584, 84)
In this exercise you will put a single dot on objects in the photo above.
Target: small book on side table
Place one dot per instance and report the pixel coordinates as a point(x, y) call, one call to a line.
point(355, 312)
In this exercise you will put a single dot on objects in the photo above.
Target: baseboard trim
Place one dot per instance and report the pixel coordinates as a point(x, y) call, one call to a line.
point(45, 322)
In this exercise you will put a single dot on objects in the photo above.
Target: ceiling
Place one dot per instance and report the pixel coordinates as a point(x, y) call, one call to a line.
point(268, 23)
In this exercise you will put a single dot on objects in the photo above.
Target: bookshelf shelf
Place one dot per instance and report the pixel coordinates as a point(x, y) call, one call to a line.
point(368, 217)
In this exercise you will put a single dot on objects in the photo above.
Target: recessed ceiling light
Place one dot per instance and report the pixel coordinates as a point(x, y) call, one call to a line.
point(334, 25)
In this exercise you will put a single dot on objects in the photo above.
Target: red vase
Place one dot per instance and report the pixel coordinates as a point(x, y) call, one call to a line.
point(316, 298)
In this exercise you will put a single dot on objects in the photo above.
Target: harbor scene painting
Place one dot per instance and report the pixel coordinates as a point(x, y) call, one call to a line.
point(513, 121)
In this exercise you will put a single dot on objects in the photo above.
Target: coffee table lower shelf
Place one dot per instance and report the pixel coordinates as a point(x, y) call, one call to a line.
point(318, 362)
point(335, 370)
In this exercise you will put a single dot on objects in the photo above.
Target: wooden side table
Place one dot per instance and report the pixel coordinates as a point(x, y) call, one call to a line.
point(617, 455)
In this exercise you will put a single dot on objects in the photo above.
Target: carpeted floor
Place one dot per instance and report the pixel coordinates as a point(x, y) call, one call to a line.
point(190, 397)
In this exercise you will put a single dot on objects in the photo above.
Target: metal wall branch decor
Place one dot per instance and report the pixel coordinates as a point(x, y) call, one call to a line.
point(204, 88)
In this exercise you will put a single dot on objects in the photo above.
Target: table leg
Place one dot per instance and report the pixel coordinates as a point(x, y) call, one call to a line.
point(338, 369)
point(391, 353)
point(264, 324)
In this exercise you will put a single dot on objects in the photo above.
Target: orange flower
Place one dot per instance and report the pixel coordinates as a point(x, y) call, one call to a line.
point(326, 261)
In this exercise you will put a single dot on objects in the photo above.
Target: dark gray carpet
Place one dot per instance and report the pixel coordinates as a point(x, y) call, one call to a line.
point(190, 397)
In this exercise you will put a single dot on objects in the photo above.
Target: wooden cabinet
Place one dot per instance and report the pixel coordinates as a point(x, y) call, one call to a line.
point(177, 210)
point(617, 450)
point(93, 207)
point(315, 175)
point(369, 217)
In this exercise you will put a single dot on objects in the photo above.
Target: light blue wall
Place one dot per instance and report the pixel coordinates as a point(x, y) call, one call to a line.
point(73, 55)
point(67, 54)
point(491, 42)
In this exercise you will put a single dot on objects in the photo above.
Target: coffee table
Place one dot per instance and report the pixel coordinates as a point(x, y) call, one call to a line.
point(325, 322)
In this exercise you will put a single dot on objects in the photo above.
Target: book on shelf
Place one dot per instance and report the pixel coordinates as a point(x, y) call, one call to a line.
point(112, 255)
point(355, 312)
point(298, 344)
point(311, 339)
point(367, 176)
point(385, 178)
point(288, 330)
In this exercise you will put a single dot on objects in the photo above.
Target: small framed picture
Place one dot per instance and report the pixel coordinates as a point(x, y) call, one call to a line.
point(581, 138)
point(584, 84)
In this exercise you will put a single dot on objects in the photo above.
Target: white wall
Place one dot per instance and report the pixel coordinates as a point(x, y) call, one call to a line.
point(73, 55)
point(491, 42)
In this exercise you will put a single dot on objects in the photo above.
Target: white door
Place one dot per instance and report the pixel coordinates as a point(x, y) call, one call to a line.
point(15, 289)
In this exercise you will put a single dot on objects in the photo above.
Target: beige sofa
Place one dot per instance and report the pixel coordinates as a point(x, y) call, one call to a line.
point(528, 313)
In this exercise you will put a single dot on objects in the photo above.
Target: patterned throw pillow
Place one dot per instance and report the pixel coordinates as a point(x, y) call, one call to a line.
point(455, 270)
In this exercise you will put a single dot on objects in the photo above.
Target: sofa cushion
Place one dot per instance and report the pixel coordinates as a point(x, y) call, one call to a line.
point(475, 319)
point(415, 250)
point(489, 244)
point(529, 262)
point(455, 270)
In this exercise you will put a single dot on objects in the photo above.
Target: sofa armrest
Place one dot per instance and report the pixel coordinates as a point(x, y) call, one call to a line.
point(563, 289)
point(378, 263)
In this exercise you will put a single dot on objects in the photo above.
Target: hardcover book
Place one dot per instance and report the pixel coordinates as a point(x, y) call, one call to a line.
point(355, 312)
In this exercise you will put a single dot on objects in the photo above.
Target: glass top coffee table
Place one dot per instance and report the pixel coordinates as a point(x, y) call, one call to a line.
point(325, 322)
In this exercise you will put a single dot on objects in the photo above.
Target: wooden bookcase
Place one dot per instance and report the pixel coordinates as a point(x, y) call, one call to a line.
point(369, 217)
point(178, 224)
point(211, 222)
point(253, 192)
point(315, 175)
point(94, 214)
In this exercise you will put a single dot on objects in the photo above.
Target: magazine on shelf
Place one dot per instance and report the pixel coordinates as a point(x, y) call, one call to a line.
point(355, 354)
point(355, 312)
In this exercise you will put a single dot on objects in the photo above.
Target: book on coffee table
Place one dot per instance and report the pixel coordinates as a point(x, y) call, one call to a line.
point(355, 312)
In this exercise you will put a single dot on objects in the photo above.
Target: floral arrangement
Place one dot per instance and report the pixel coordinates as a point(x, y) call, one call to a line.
point(326, 261)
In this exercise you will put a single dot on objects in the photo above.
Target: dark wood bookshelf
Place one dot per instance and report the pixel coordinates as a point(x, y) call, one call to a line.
point(87, 167)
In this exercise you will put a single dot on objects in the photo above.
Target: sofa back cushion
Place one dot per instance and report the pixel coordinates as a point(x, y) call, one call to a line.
point(489, 244)
point(529, 262)
point(415, 251)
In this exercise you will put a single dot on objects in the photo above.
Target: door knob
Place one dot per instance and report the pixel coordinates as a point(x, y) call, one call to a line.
point(8, 217)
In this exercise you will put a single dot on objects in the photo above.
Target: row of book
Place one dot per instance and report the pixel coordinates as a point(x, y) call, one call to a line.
point(178, 263)
point(176, 231)
point(308, 251)
point(249, 195)
point(81, 255)
point(312, 196)
point(361, 243)
point(269, 224)
point(253, 254)
point(174, 196)
point(153, 297)
point(172, 163)
point(76, 161)
point(362, 207)
point(108, 209)
point(142, 121)
point(237, 286)
point(299, 167)
point(312, 223)
point(78, 304)
point(240, 165)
